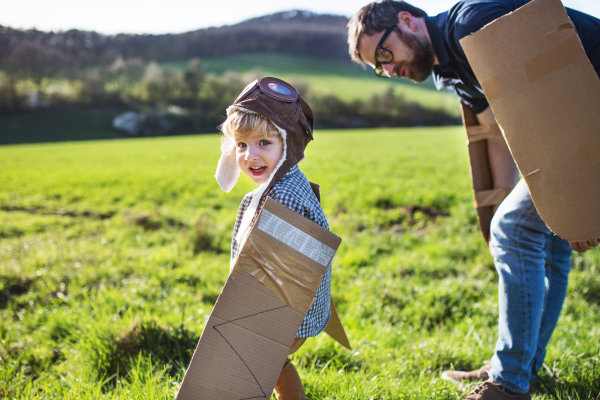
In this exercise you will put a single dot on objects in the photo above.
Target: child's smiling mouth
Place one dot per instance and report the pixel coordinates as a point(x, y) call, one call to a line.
point(257, 171)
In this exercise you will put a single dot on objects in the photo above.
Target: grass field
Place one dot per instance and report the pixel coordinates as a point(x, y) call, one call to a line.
point(346, 81)
point(112, 254)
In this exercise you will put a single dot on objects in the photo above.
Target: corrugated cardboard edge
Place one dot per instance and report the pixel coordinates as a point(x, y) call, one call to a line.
point(481, 132)
point(492, 197)
point(481, 173)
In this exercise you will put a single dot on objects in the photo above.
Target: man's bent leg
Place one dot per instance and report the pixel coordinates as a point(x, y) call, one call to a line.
point(518, 241)
point(558, 266)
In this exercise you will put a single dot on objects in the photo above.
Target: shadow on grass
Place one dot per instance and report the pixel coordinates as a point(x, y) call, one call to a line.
point(13, 286)
point(172, 347)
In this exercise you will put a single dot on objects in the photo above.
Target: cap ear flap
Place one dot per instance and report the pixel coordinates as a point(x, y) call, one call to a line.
point(228, 170)
point(308, 114)
point(306, 126)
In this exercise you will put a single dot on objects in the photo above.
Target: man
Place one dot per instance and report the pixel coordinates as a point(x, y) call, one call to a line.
point(396, 38)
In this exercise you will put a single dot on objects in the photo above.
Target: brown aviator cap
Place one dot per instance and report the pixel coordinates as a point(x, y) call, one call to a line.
point(279, 102)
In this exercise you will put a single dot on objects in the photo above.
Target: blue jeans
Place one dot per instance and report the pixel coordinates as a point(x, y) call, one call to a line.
point(533, 266)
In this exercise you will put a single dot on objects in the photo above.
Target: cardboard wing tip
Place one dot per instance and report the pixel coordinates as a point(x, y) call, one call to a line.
point(335, 328)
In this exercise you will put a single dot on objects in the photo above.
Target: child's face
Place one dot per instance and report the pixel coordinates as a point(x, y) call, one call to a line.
point(258, 156)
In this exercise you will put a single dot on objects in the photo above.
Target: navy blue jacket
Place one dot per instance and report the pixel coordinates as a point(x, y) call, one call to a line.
point(469, 16)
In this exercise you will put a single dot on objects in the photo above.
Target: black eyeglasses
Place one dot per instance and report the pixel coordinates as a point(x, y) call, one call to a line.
point(383, 55)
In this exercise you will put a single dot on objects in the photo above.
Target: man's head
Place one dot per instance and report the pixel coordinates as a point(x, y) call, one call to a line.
point(258, 144)
point(405, 50)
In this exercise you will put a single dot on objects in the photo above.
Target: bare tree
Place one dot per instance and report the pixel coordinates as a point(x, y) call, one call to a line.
point(36, 62)
point(193, 78)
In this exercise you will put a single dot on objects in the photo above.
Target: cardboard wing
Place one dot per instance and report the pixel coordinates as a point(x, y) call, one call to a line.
point(257, 315)
point(545, 94)
point(485, 195)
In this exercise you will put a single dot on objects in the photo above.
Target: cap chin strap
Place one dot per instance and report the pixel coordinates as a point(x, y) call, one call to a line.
point(228, 172)
point(231, 179)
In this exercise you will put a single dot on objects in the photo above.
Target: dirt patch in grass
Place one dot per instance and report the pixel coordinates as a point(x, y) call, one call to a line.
point(152, 221)
point(11, 232)
point(206, 236)
point(61, 212)
point(428, 211)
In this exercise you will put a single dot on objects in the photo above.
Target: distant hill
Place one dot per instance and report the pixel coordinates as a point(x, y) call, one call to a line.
point(296, 32)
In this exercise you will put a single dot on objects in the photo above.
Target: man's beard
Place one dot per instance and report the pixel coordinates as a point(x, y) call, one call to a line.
point(421, 66)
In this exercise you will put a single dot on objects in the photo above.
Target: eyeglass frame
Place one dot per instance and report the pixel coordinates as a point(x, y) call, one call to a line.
point(378, 64)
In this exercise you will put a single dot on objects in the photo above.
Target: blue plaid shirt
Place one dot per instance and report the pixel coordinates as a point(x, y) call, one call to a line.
point(294, 192)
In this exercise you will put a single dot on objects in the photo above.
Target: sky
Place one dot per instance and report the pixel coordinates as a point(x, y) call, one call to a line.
point(175, 16)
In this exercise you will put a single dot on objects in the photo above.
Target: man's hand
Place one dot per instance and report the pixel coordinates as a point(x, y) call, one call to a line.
point(582, 247)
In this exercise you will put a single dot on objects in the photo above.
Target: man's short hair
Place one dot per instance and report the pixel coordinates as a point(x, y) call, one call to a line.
point(376, 17)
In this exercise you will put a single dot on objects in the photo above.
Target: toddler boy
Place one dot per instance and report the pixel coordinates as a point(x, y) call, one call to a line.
point(265, 134)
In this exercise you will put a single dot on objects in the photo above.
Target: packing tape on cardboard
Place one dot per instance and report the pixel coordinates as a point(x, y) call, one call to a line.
point(590, 153)
point(297, 239)
point(544, 64)
point(553, 59)
point(481, 132)
point(284, 273)
point(491, 88)
point(492, 197)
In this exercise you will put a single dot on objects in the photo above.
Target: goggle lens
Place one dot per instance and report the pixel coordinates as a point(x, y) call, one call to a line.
point(279, 89)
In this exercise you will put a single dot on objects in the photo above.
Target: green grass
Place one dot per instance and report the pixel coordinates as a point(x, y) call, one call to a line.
point(347, 81)
point(112, 254)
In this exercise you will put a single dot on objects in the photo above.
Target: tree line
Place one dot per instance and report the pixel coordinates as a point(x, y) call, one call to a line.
point(299, 33)
point(136, 85)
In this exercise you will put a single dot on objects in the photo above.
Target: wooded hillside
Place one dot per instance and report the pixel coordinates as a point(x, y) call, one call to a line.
point(295, 32)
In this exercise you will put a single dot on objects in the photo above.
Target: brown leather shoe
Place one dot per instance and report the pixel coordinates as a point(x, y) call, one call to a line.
point(460, 377)
point(479, 375)
point(494, 391)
